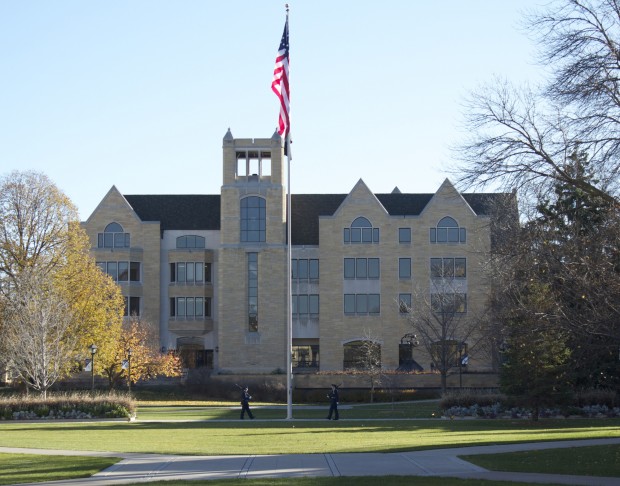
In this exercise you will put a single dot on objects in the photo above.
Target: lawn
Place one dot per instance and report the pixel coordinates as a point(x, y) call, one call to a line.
point(23, 468)
point(200, 411)
point(588, 461)
point(280, 437)
point(195, 428)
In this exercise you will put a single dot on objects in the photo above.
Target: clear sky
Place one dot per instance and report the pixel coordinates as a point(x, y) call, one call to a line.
point(140, 93)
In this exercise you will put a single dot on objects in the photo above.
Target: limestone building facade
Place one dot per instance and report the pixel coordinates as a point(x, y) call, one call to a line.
point(209, 272)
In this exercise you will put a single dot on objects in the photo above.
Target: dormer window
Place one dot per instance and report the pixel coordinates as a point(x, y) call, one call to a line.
point(113, 236)
point(361, 231)
point(448, 231)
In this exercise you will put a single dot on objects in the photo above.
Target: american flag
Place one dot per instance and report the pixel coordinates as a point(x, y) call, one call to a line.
point(279, 85)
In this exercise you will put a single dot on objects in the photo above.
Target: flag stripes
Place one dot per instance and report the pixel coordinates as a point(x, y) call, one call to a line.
point(280, 86)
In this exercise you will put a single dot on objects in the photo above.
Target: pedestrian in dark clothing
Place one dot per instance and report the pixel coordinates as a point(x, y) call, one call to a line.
point(245, 403)
point(333, 403)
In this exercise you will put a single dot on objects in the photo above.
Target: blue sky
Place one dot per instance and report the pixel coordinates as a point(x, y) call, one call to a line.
point(139, 93)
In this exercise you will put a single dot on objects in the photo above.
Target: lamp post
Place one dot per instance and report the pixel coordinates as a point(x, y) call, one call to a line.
point(129, 369)
point(93, 350)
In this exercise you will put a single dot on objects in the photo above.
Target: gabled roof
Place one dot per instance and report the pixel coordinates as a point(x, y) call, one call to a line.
point(202, 212)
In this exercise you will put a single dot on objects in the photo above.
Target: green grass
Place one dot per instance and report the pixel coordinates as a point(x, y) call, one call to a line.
point(587, 461)
point(23, 468)
point(341, 481)
point(255, 437)
point(227, 411)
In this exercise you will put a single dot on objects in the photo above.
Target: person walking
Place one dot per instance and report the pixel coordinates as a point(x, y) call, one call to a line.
point(245, 403)
point(333, 403)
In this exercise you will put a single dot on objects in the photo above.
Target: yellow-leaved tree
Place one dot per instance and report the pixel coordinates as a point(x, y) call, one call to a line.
point(96, 301)
point(137, 352)
point(45, 267)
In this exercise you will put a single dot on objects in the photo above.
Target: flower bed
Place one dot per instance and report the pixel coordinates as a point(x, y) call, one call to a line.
point(67, 407)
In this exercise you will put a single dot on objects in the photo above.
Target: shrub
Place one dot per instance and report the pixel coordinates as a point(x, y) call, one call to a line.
point(67, 406)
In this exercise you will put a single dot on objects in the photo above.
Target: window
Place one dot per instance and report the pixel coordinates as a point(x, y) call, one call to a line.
point(362, 304)
point(305, 306)
point(252, 279)
point(113, 236)
point(404, 268)
point(404, 235)
point(306, 356)
point(304, 269)
point(404, 303)
point(361, 231)
point(190, 272)
point(121, 271)
point(132, 306)
point(448, 231)
point(361, 268)
point(449, 303)
point(190, 241)
point(190, 307)
point(362, 355)
point(195, 356)
point(449, 352)
point(253, 163)
point(253, 219)
point(448, 268)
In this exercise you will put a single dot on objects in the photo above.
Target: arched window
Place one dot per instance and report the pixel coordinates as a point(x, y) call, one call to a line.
point(253, 219)
point(113, 236)
point(448, 231)
point(361, 231)
point(190, 241)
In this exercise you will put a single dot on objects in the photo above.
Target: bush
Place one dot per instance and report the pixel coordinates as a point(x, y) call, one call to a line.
point(585, 403)
point(66, 406)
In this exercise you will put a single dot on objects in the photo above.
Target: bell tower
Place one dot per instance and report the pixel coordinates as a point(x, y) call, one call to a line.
point(252, 267)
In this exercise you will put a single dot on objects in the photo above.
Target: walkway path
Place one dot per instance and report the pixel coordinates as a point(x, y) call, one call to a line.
point(139, 468)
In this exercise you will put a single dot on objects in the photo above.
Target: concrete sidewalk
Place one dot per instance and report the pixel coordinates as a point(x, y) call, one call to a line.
point(139, 468)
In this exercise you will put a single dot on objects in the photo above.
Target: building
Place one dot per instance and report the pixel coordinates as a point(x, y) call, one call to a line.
point(210, 270)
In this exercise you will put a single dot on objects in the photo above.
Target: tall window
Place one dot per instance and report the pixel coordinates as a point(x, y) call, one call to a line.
point(253, 292)
point(404, 268)
point(253, 219)
point(448, 231)
point(132, 306)
point(404, 303)
point(448, 268)
point(361, 268)
point(361, 231)
point(190, 241)
point(113, 236)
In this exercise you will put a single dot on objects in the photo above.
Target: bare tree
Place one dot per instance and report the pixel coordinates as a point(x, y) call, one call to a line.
point(37, 339)
point(523, 138)
point(447, 330)
point(369, 360)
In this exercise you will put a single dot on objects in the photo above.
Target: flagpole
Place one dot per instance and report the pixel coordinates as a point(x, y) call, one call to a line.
point(289, 327)
point(289, 316)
